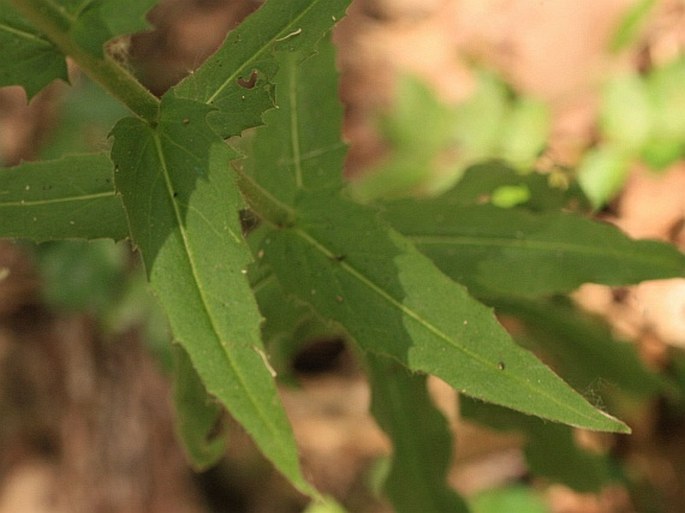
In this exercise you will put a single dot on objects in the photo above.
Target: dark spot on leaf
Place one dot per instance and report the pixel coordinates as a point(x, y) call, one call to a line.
point(338, 258)
point(248, 83)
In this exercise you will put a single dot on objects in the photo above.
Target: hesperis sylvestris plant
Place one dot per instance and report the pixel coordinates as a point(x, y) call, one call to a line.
point(412, 284)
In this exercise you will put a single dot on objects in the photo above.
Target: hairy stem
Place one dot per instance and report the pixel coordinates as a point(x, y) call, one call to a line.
point(51, 19)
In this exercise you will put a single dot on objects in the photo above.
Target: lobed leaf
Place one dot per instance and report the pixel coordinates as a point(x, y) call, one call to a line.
point(182, 205)
point(392, 300)
point(98, 21)
point(422, 441)
point(33, 61)
point(68, 198)
point(499, 252)
point(28, 58)
point(236, 79)
point(299, 147)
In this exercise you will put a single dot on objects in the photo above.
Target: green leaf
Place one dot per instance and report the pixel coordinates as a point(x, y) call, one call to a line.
point(422, 441)
point(525, 133)
point(628, 128)
point(511, 499)
point(197, 415)
point(299, 147)
point(61, 199)
point(28, 58)
point(182, 205)
point(432, 143)
point(421, 133)
point(392, 300)
point(236, 79)
point(98, 21)
point(83, 276)
point(575, 467)
point(582, 347)
point(499, 252)
point(602, 173)
point(482, 182)
point(631, 23)
point(666, 143)
point(86, 115)
point(327, 505)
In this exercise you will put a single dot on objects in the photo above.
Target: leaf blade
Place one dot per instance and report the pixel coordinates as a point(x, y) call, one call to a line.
point(299, 146)
point(182, 207)
point(99, 21)
point(384, 293)
point(499, 252)
point(235, 79)
point(422, 442)
point(68, 198)
point(29, 59)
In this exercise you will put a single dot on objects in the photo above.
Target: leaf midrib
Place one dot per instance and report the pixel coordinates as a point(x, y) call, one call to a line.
point(294, 125)
point(25, 35)
point(530, 244)
point(256, 55)
point(64, 199)
point(191, 262)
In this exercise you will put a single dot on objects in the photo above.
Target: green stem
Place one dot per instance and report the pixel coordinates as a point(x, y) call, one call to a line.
point(53, 21)
point(263, 203)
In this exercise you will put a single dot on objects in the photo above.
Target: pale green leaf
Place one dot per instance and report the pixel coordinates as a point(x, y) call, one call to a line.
point(236, 79)
point(525, 133)
point(630, 24)
point(394, 301)
point(628, 128)
point(514, 498)
point(424, 140)
point(182, 205)
point(422, 441)
point(509, 196)
point(497, 252)
point(28, 58)
point(326, 505)
point(602, 173)
point(198, 416)
point(61, 199)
